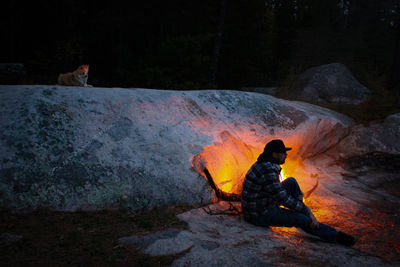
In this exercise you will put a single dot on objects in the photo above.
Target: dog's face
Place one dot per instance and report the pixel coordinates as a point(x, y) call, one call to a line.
point(83, 71)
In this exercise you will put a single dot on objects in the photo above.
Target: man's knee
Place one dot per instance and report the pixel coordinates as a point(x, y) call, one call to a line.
point(292, 187)
point(291, 180)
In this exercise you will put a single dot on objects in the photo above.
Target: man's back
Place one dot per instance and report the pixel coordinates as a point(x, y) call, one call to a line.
point(255, 196)
point(262, 190)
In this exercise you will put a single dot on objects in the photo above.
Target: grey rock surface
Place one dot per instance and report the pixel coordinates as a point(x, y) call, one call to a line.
point(221, 240)
point(331, 83)
point(69, 148)
point(376, 137)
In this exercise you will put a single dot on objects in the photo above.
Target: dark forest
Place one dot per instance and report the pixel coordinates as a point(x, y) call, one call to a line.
point(201, 44)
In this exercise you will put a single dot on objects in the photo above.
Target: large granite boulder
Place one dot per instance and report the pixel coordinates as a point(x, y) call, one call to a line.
point(331, 83)
point(381, 137)
point(69, 148)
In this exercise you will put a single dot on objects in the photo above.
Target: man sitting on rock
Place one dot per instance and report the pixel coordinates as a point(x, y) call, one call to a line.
point(262, 195)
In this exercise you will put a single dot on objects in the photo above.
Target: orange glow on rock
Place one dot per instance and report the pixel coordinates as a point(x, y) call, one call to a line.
point(229, 160)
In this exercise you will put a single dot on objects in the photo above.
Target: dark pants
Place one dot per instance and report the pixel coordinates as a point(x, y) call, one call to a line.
point(283, 217)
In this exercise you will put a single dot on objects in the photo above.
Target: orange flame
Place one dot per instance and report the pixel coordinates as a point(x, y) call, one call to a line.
point(282, 176)
point(228, 162)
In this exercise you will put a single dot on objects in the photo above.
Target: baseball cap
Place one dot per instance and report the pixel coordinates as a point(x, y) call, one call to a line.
point(276, 146)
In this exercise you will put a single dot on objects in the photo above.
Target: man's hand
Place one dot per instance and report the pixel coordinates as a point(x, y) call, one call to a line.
point(314, 222)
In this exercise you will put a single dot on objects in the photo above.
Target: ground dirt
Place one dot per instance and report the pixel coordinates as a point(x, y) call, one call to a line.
point(82, 238)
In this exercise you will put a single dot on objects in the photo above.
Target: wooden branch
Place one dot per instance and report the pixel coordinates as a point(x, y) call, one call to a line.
point(220, 194)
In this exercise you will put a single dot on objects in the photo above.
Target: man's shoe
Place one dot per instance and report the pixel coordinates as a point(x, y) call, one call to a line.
point(345, 239)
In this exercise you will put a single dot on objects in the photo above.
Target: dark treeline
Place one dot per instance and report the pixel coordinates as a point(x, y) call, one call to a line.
point(180, 44)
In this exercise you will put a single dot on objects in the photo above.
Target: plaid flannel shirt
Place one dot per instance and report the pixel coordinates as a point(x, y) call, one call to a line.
point(262, 190)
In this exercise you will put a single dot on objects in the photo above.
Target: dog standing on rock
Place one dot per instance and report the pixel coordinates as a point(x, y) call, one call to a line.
point(76, 78)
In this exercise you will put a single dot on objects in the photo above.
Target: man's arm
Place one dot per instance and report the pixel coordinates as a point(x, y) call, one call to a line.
point(280, 194)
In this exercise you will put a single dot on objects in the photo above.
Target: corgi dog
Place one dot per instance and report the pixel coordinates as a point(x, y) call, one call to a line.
point(76, 78)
